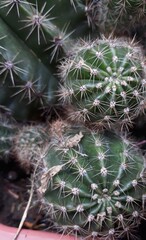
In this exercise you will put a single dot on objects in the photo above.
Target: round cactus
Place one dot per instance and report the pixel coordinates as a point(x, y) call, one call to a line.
point(96, 188)
point(104, 81)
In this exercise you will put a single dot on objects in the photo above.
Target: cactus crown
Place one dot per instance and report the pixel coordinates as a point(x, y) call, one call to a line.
point(104, 81)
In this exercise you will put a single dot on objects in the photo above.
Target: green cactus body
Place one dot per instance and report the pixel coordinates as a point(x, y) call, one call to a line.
point(25, 82)
point(104, 81)
point(34, 36)
point(96, 188)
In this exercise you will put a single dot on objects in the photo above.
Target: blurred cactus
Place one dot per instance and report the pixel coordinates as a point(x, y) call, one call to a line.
point(28, 143)
point(8, 129)
point(121, 16)
point(96, 188)
point(104, 82)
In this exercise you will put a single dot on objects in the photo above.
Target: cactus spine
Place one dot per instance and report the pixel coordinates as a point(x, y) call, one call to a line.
point(96, 189)
point(28, 143)
point(32, 41)
point(122, 16)
point(104, 81)
point(8, 129)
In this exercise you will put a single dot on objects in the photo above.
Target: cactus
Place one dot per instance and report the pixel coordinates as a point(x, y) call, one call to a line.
point(121, 16)
point(104, 82)
point(34, 36)
point(96, 12)
point(27, 142)
point(93, 186)
point(8, 129)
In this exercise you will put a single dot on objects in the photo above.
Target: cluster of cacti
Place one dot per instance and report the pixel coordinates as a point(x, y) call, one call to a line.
point(104, 81)
point(93, 186)
point(52, 53)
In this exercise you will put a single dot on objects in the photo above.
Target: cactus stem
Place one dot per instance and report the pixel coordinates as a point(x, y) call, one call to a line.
point(27, 90)
point(59, 43)
point(38, 20)
point(11, 4)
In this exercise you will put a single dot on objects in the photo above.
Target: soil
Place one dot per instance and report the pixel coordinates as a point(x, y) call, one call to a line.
point(15, 190)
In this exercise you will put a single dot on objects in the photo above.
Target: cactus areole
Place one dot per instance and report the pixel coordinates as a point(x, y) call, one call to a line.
point(104, 81)
point(96, 189)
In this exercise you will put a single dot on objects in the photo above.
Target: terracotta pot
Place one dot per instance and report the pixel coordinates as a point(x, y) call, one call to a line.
point(8, 233)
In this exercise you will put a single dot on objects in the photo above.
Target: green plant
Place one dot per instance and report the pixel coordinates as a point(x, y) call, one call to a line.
point(28, 143)
point(34, 36)
point(92, 183)
point(122, 16)
point(104, 82)
point(8, 129)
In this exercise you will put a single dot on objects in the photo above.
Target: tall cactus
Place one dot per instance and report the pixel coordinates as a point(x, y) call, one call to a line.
point(34, 36)
point(96, 188)
point(104, 82)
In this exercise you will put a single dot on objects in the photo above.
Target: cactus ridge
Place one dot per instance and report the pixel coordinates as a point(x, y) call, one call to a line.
point(104, 81)
point(96, 189)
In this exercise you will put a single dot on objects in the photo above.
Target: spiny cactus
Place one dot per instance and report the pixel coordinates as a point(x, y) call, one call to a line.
point(96, 189)
point(121, 16)
point(104, 82)
point(28, 142)
point(34, 36)
point(96, 12)
point(8, 130)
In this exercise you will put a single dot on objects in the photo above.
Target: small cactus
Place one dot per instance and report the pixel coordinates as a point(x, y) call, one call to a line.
point(104, 81)
point(27, 142)
point(96, 188)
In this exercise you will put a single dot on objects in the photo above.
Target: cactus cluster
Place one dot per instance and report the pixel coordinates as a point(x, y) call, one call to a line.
point(53, 54)
point(96, 188)
point(104, 81)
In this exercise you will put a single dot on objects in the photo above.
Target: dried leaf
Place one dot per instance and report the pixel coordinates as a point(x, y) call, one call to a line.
point(48, 176)
point(74, 141)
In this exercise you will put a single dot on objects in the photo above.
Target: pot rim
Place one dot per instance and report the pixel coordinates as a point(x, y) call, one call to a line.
point(8, 233)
